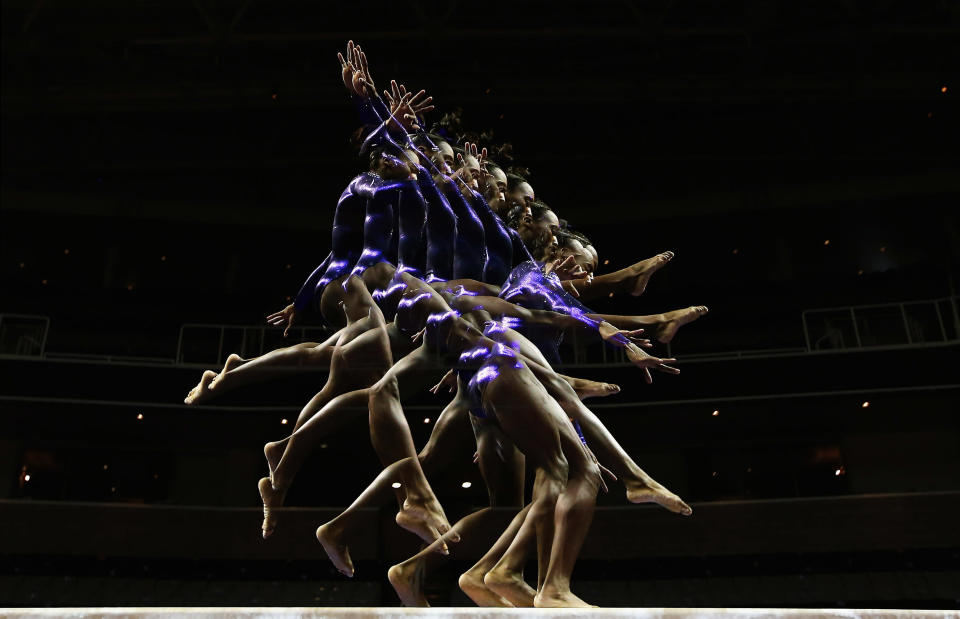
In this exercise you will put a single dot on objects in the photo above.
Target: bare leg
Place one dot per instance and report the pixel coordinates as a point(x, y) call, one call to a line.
point(665, 325)
point(472, 581)
point(641, 488)
point(506, 576)
point(632, 280)
point(501, 466)
point(590, 388)
point(542, 431)
point(238, 372)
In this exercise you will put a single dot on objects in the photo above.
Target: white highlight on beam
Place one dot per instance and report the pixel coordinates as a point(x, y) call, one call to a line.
point(470, 613)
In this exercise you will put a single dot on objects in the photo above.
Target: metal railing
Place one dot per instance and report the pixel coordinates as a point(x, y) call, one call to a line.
point(23, 335)
point(910, 323)
point(196, 341)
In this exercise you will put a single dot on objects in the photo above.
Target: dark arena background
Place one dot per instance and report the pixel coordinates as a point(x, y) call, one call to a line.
point(169, 177)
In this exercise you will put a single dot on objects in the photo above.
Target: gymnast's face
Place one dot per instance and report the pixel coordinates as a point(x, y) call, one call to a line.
point(495, 188)
point(583, 256)
point(551, 251)
point(522, 193)
point(392, 168)
point(444, 155)
point(472, 167)
point(537, 231)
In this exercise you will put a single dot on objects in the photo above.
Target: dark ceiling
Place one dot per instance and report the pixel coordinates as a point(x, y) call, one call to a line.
point(678, 106)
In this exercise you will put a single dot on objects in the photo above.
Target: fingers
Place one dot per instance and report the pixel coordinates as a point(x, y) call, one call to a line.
point(646, 376)
point(668, 369)
point(418, 335)
point(343, 63)
point(364, 66)
point(287, 330)
point(605, 471)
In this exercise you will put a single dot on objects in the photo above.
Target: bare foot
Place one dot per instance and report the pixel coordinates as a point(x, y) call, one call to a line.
point(652, 492)
point(337, 551)
point(676, 319)
point(271, 500)
point(273, 453)
point(552, 598)
point(425, 524)
point(202, 390)
point(471, 583)
point(407, 580)
point(646, 268)
point(511, 587)
point(593, 389)
point(233, 361)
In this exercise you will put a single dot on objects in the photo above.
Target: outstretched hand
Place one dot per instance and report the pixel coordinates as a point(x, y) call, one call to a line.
point(603, 470)
point(284, 318)
point(616, 336)
point(645, 362)
point(405, 106)
point(567, 269)
point(449, 381)
point(355, 71)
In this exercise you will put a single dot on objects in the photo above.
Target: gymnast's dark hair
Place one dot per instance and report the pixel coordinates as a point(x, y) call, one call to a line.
point(516, 211)
point(566, 235)
point(513, 180)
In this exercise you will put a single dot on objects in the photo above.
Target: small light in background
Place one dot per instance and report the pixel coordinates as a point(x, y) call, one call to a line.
point(838, 472)
point(129, 286)
point(606, 262)
point(26, 477)
point(487, 91)
point(105, 467)
point(735, 251)
point(43, 281)
point(715, 413)
point(395, 484)
point(163, 258)
point(929, 114)
point(113, 489)
point(323, 445)
point(859, 271)
point(274, 96)
point(749, 469)
point(714, 474)
point(140, 416)
point(284, 421)
point(289, 266)
point(156, 475)
point(827, 242)
point(23, 264)
point(426, 420)
point(943, 89)
point(465, 484)
point(288, 297)
point(66, 252)
point(865, 405)
point(883, 249)
point(610, 295)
